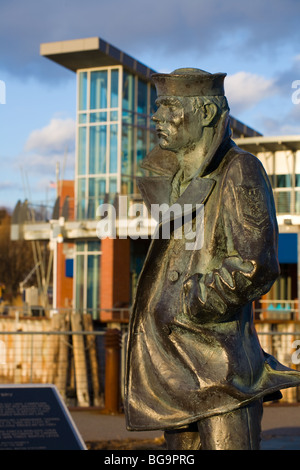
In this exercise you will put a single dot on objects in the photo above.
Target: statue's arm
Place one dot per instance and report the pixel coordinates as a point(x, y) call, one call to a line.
point(249, 265)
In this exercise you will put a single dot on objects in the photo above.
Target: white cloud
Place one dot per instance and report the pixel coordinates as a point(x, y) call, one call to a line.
point(55, 137)
point(52, 144)
point(244, 90)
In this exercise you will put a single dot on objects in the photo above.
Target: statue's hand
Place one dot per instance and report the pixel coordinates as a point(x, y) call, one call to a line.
point(200, 301)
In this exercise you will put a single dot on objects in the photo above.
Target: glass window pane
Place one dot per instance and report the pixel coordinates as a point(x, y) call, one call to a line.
point(97, 190)
point(283, 202)
point(98, 117)
point(128, 91)
point(79, 282)
point(81, 194)
point(113, 160)
point(153, 139)
point(98, 89)
point(80, 246)
point(82, 102)
point(97, 155)
point(127, 159)
point(142, 120)
point(153, 96)
point(284, 181)
point(82, 118)
point(93, 271)
point(112, 189)
point(81, 150)
point(114, 95)
point(114, 115)
point(127, 150)
point(91, 200)
point(142, 97)
point(94, 246)
point(297, 202)
point(141, 151)
point(128, 117)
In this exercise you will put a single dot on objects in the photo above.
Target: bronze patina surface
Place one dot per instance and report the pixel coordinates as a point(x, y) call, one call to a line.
point(195, 367)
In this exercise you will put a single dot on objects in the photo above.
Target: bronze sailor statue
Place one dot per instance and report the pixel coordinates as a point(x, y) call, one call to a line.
point(195, 367)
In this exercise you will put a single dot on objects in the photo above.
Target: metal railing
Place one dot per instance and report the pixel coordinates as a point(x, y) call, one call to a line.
point(77, 362)
point(287, 201)
point(88, 367)
point(83, 209)
point(32, 312)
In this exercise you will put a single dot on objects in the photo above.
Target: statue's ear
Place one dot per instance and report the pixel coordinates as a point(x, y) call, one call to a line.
point(209, 112)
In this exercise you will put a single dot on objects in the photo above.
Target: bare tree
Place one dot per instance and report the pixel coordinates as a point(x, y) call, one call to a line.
point(16, 258)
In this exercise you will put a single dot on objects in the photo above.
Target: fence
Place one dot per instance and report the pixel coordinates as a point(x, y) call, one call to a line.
point(282, 340)
point(88, 367)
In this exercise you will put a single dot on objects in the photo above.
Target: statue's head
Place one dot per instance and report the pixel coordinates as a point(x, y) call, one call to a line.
point(188, 100)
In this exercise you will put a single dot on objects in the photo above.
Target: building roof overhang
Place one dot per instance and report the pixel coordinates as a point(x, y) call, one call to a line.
point(91, 52)
point(87, 53)
point(269, 144)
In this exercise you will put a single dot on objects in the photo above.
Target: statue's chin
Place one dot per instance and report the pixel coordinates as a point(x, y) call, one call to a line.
point(165, 145)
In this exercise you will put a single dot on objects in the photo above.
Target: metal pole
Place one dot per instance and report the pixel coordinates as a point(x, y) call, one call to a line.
point(112, 370)
point(298, 273)
point(57, 179)
point(54, 288)
point(31, 360)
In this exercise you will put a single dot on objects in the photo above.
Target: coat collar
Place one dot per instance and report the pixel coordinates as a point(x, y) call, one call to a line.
point(157, 189)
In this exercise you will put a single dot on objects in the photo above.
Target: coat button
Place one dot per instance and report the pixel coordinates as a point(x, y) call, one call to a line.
point(173, 276)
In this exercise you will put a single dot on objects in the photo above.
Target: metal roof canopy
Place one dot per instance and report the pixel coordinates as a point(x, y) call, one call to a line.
point(94, 52)
point(91, 52)
point(269, 144)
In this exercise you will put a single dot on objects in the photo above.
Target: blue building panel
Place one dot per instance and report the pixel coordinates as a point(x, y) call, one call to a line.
point(69, 267)
point(287, 248)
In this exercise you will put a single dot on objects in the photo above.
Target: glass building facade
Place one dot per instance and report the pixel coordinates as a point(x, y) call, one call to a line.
point(283, 168)
point(114, 134)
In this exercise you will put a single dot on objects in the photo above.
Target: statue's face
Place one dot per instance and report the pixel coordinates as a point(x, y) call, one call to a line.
point(178, 124)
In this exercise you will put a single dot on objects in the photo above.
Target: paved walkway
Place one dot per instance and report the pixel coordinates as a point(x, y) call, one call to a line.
point(280, 426)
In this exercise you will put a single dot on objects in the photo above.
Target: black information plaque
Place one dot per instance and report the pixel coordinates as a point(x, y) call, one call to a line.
point(34, 417)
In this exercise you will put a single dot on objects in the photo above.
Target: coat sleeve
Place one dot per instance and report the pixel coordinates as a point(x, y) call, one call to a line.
point(248, 263)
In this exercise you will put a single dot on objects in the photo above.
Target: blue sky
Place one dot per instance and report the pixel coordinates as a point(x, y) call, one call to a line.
point(256, 43)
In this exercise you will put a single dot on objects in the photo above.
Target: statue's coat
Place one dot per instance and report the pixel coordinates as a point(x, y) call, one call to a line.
point(193, 350)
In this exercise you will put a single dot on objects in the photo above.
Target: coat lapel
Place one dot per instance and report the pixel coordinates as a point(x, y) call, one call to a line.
point(157, 190)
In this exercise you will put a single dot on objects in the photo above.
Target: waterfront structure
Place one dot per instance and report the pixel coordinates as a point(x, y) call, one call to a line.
point(280, 156)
